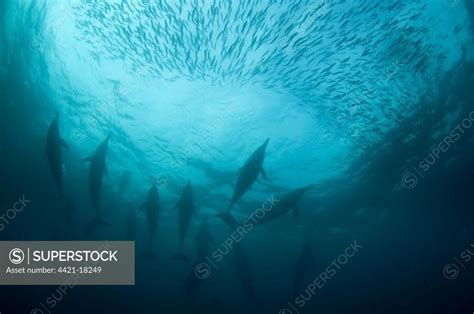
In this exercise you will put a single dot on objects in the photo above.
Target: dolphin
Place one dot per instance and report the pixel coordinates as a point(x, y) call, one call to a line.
point(97, 170)
point(245, 274)
point(286, 202)
point(152, 210)
point(186, 211)
point(203, 240)
point(192, 283)
point(124, 182)
point(248, 174)
point(53, 153)
point(283, 204)
point(303, 264)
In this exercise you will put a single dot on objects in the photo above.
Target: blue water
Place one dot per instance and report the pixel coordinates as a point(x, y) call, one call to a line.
point(369, 101)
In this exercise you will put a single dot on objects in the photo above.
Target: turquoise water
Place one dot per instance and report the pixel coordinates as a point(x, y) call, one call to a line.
point(368, 101)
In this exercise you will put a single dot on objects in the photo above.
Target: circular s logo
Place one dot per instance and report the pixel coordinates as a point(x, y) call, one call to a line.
point(16, 256)
point(202, 271)
point(451, 271)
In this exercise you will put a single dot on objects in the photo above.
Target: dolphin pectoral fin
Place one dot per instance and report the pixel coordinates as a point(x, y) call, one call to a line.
point(264, 174)
point(64, 144)
point(87, 159)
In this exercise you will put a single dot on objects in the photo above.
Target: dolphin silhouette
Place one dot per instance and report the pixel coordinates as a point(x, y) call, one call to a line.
point(152, 210)
point(53, 153)
point(124, 182)
point(284, 204)
point(203, 240)
point(97, 170)
point(186, 209)
point(245, 275)
point(192, 283)
point(248, 174)
point(303, 264)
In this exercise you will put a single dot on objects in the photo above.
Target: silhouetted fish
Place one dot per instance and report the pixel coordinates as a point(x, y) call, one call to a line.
point(186, 210)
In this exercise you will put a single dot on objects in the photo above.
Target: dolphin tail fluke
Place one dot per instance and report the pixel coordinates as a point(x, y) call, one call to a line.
point(228, 219)
point(180, 257)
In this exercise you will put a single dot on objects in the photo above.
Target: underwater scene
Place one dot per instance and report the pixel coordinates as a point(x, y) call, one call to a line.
point(265, 156)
